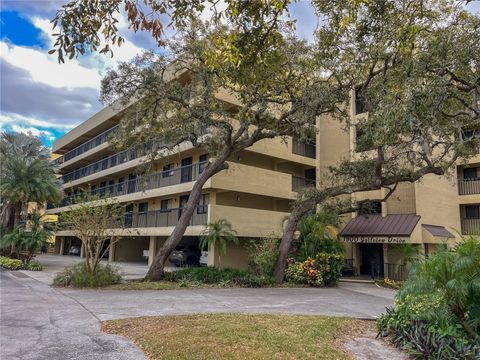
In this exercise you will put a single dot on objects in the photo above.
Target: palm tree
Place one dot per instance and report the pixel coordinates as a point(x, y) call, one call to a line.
point(27, 175)
point(454, 274)
point(218, 233)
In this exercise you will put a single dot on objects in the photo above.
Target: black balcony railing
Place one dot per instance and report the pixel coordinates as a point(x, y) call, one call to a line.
point(108, 162)
point(299, 183)
point(468, 186)
point(90, 144)
point(470, 226)
point(160, 218)
point(304, 148)
point(395, 272)
point(143, 183)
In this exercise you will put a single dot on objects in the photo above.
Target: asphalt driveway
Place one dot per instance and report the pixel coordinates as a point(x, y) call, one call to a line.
point(41, 322)
point(38, 322)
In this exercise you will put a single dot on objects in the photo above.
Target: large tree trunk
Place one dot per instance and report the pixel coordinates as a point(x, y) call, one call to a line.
point(287, 238)
point(156, 269)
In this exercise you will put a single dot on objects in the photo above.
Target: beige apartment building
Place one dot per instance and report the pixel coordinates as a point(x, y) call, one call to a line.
point(255, 193)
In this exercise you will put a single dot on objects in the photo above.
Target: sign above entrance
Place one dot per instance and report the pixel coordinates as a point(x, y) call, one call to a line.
point(375, 239)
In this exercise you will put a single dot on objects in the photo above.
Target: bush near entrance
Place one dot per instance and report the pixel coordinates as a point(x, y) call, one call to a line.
point(437, 310)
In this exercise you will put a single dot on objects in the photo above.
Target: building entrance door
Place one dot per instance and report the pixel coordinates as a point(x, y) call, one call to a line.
point(372, 260)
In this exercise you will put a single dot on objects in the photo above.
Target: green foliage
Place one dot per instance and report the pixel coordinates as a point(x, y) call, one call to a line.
point(213, 275)
point(318, 234)
point(11, 264)
point(29, 236)
point(264, 255)
point(80, 276)
point(324, 270)
point(34, 266)
point(436, 312)
point(218, 233)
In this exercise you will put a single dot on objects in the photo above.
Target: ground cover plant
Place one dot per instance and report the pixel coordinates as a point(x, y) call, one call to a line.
point(79, 276)
point(437, 310)
point(234, 336)
point(17, 264)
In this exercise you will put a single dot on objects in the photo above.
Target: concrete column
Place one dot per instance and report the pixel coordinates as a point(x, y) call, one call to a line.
point(152, 249)
point(111, 252)
point(82, 250)
point(62, 245)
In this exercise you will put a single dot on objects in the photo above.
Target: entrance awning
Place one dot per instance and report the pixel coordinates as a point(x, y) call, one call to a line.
point(381, 226)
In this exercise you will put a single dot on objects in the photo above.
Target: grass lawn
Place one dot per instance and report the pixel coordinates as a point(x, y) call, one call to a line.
point(236, 336)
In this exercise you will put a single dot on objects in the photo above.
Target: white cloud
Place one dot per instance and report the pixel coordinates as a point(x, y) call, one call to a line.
point(34, 131)
point(13, 119)
point(45, 69)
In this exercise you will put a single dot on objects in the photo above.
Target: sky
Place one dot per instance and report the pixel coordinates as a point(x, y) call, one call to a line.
point(48, 99)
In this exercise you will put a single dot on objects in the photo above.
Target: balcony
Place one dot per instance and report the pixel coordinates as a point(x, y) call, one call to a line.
point(304, 148)
point(470, 226)
point(299, 183)
point(90, 144)
point(107, 163)
point(469, 186)
point(143, 183)
point(160, 218)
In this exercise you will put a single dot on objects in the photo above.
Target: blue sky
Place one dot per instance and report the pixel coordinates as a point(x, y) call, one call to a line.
point(40, 96)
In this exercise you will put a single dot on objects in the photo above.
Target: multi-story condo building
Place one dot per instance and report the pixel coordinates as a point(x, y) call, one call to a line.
point(429, 213)
point(255, 193)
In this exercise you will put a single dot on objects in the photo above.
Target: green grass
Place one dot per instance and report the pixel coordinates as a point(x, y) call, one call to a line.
point(234, 336)
point(183, 285)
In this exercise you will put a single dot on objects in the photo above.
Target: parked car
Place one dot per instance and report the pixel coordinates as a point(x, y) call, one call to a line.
point(74, 250)
point(185, 255)
point(204, 258)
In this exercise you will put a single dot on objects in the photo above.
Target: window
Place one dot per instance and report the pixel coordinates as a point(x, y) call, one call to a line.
point(93, 190)
point(167, 170)
point(203, 204)
point(362, 143)
point(472, 212)
point(165, 205)
point(370, 207)
point(120, 185)
point(470, 173)
point(359, 101)
point(143, 207)
point(203, 161)
point(103, 184)
point(111, 186)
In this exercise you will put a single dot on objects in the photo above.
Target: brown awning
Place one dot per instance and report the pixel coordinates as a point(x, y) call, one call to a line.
point(436, 230)
point(378, 225)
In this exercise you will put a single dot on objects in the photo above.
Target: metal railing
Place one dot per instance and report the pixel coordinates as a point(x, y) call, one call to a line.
point(142, 183)
point(468, 186)
point(90, 144)
point(304, 148)
point(470, 226)
point(160, 218)
point(299, 183)
point(108, 162)
point(395, 272)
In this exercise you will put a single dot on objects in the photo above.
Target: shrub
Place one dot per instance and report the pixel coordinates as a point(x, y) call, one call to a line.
point(264, 256)
point(324, 270)
point(33, 266)
point(78, 276)
point(11, 264)
point(212, 275)
point(305, 272)
point(437, 311)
